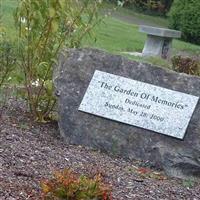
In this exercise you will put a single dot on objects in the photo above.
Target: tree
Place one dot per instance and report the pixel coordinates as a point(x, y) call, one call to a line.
point(185, 17)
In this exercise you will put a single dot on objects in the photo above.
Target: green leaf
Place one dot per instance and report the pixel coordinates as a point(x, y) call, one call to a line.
point(48, 84)
point(52, 12)
point(54, 26)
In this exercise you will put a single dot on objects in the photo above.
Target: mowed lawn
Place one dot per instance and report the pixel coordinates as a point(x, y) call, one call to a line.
point(116, 36)
point(113, 35)
point(7, 8)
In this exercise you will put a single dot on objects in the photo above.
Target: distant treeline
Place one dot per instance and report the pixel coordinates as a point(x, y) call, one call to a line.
point(158, 7)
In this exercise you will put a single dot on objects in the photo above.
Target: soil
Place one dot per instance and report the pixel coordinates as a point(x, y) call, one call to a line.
point(31, 152)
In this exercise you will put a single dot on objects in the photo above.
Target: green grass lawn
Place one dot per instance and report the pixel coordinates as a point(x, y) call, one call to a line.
point(116, 36)
point(113, 35)
point(131, 16)
point(7, 8)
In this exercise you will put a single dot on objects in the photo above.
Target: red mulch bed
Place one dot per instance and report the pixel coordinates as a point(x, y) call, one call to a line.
point(31, 152)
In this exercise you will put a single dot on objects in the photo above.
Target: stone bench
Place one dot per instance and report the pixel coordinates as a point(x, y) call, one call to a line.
point(159, 41)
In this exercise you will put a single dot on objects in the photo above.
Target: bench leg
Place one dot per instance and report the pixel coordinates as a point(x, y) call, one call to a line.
point(157, 46)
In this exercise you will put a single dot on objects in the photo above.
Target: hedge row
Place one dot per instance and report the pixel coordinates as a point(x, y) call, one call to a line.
point(160, 7)
point(185, 16)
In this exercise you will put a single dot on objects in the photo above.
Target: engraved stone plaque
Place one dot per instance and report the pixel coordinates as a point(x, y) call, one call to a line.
point(140, 104)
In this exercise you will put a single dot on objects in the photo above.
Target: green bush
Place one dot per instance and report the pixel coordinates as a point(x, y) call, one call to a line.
point(160, 7)
point(155, 6)
point(7, 58)
point(185, 16)
point(7, 54)
point(67, 185)
point(45, 27)
point(7, 62)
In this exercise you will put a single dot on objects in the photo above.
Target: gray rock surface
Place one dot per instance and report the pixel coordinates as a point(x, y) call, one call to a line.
point(179, 158)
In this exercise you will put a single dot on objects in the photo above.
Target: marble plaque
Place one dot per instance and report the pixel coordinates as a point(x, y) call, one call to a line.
point(140, 104)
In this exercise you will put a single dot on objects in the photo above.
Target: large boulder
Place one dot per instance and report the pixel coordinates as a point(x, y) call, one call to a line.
point(179, 158)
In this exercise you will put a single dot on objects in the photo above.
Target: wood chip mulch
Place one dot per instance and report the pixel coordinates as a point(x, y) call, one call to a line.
point(31, 152)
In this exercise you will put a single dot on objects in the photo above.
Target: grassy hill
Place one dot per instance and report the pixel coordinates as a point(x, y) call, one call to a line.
point(118, 33)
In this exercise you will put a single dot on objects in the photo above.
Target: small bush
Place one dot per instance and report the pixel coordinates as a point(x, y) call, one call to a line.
point(156, 6)
point(7, 54)
point(186, 65)
point(7, 60)
point(67, 185)
point(160, 7)
point(45, 27)
point(185, 16)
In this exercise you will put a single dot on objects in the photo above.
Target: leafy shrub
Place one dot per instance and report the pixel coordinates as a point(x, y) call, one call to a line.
point(186, 65)
point(44, 28)
point(185, 16)
point(151, 5)
point(160, 7)
point(7, 59)
point(67, 185)
point(7, 65)
point(7, 54)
